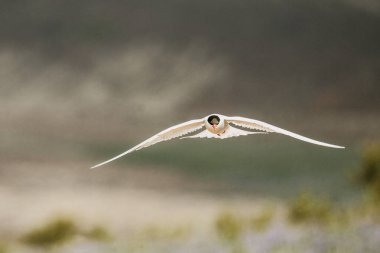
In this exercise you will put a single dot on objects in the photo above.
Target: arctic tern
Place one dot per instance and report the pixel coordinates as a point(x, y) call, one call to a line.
point(216, 126)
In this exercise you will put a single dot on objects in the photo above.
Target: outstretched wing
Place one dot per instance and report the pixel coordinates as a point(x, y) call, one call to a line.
point(165, 135)
point(259, 125)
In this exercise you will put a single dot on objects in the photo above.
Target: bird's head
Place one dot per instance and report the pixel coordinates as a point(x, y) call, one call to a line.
point(214, 122)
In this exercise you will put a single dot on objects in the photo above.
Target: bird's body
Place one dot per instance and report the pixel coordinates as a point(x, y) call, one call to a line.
point(216, 126)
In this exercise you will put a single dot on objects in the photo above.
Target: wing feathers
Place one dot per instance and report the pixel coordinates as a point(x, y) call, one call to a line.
point(194, 125)
point(259, 125)
point(235, 132)
point(165, 135)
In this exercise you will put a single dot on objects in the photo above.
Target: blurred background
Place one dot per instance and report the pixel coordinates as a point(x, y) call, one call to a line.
point(83, 81)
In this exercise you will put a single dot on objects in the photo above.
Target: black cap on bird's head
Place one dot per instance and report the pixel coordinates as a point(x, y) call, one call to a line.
point(213, 120)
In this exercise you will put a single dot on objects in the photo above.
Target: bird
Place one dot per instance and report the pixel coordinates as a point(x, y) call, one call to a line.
point(216, 126)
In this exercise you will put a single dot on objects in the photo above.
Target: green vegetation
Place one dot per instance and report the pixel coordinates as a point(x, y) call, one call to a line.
point(368, 177)
point(263, 220)
point(369, 173)
point(228, 226)
point(3, 247)
point(98, 233)
point(61, 230)
point(308, 208)
point(56, 232)
point(155, 232)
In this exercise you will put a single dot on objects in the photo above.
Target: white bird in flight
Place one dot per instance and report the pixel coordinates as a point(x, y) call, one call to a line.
point(216, 126)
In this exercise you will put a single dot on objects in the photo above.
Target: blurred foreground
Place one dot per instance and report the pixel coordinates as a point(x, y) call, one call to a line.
point(204, 201)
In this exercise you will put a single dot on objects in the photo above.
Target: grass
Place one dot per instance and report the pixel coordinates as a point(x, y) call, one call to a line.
point(56, 232)
point(228, 226)
point(3, 247)
point(368, 174)
point(61, 230)
point(262, 221)
point(156, 232)
point(307, 208)
point(98, 233)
